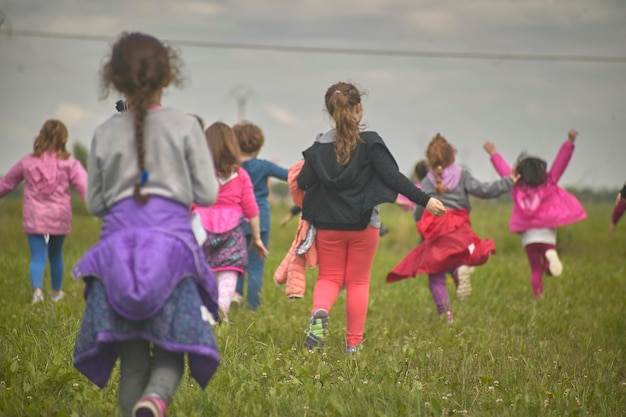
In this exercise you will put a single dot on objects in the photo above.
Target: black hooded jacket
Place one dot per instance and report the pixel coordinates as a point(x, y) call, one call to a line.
point(342, 197)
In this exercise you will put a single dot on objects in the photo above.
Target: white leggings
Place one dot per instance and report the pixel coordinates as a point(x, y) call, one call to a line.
point(226, 283)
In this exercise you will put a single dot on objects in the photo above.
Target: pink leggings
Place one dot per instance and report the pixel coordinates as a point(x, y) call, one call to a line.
point(536, 253)
point(345, 259)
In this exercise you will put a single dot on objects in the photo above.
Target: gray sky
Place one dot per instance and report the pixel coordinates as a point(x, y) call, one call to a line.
point(519, 105)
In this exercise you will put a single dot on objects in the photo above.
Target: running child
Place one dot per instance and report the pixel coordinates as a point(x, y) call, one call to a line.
point(149, 291)
point(225, 247)
point(47, 173)
point(540, 205)
point(250, 138)
point(449, 245)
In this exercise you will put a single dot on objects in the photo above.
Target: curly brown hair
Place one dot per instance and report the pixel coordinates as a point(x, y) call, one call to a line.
point(249, 136)
point(139, 66)
point(439, 154)
point(52, 137)
point(340, 100)
point(224, 148)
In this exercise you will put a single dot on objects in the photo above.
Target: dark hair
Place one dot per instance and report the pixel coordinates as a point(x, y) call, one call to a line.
point(340, 99)
point(439, 154)
point(532, 171)
point(52, 137)
point(420, 170)
point(224, 147)
point(249, 136)
point(139, 66)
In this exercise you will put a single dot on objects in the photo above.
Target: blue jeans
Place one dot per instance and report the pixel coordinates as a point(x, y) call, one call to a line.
point(39, 251)
point(254, 271)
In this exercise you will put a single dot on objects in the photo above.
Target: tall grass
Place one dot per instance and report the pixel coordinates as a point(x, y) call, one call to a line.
point(505, 355)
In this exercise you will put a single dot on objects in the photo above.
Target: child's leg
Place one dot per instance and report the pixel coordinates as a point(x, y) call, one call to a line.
point(134, 373)
point(38, 250)
point(618, 212)
point(167, 371)
point(535, 253)
point(255, 270)
point(55, 255)
point(226, 283)
point(359, 260)
point(437, 285)
point(332, 252)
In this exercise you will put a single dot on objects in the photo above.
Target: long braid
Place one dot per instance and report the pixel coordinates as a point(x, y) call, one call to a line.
point(139, 105)
point(439, 154)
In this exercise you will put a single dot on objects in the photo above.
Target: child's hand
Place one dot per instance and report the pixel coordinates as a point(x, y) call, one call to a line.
point(260, 247)
point(571, 136)
point(490, 148)
point(435, 207)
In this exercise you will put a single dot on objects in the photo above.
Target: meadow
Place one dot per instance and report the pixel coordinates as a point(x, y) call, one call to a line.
point(506, 354)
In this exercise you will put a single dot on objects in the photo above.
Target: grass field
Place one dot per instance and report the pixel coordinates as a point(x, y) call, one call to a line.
point(505, 355)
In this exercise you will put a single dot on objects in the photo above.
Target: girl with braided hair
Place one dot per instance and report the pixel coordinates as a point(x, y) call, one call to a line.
point(149, 292)
point(449, 245)
point(346, 174)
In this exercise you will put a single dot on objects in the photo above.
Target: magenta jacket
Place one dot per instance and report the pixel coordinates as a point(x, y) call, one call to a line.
point(47, 179)
point(547, 205)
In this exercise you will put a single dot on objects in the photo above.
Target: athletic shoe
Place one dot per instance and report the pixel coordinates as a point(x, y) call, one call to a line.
point(464, 290)
point(317, 329)
point(150, 406)
point(57, 297)
point(37, 296)
point(554, 263)
point(237, 300)
point(449, 317)
point(354, 349)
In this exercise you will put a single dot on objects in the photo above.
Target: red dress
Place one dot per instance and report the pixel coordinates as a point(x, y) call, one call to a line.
point(449, 242)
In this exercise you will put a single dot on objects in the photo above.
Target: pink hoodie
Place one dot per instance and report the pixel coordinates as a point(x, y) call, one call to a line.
point(47, 179)
point(547, 205)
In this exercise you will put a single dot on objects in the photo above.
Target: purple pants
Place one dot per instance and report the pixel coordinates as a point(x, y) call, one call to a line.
point(437, 285)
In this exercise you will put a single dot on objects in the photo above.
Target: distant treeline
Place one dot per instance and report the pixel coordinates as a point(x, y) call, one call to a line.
point(280, 193)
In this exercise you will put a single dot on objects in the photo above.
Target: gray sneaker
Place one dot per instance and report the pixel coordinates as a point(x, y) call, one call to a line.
point(316, 330)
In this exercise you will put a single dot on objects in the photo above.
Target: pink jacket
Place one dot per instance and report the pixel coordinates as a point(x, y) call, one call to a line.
point(234, 200)
point(292, 269)
point(547, 205)
point(47, 208)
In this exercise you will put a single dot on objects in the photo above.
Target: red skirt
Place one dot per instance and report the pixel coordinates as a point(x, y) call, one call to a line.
point(449, 242)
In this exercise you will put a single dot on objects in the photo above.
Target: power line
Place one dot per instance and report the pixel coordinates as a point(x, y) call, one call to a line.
point(343, 51)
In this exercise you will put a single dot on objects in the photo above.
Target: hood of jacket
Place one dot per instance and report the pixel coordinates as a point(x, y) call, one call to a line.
point(44, 173)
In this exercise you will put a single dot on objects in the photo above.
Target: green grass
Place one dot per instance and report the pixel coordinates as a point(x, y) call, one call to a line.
point(505, 355)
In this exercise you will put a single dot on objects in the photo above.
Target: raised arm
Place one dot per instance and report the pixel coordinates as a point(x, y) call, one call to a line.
point(497, 160)
point(563, 157)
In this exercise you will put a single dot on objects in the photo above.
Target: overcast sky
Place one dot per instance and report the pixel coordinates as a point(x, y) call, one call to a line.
point(517, 104)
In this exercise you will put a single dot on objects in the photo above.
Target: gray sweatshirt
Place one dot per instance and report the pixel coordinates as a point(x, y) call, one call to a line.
point(178, 161)
point(458, 197)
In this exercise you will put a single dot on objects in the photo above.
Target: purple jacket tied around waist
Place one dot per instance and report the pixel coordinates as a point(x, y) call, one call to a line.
point(143, 253)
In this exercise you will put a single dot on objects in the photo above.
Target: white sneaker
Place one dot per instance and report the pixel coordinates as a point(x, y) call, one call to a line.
point(57, 297)
point(464, 290)
point(554, 263)
point(37, 296)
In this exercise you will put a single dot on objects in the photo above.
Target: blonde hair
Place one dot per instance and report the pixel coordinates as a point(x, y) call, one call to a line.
point(439, 154)
point(340, 100)
point(52, 137)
